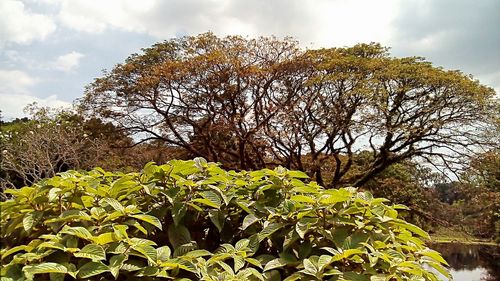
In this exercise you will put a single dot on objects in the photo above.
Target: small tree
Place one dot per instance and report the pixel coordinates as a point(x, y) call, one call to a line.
point(53, 141)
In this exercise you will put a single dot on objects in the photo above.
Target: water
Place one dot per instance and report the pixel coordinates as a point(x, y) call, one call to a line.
point(471, 262)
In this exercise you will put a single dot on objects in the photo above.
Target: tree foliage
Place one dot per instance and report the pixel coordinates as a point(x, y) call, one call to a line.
point(255, 103)
point(192, 220)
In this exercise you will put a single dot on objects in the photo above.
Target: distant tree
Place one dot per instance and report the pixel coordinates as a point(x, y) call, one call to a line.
point(254, 103)
point(483, 178)
point(472, 203)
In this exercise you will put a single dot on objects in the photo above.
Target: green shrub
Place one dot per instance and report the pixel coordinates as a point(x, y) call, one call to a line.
point(192, 220)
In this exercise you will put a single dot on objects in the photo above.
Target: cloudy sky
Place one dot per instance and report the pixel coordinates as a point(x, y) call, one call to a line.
point(51, 49)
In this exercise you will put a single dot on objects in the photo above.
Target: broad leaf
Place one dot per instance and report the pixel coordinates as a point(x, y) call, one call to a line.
point(91, 269)
point(91, 251)
point(47, 267)
point(149, 219)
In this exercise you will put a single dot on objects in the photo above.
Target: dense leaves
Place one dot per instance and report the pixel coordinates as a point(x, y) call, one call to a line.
point(192, 220)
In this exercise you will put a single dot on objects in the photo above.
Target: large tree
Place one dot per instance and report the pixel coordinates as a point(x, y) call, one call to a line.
point(252, 103)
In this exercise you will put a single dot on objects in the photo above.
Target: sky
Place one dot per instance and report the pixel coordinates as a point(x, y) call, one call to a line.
point(51, 49)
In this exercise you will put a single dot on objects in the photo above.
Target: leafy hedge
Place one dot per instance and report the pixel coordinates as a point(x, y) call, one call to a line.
point(192, 220)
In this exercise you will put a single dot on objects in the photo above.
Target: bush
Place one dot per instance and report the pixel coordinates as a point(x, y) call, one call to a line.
point(192, 220)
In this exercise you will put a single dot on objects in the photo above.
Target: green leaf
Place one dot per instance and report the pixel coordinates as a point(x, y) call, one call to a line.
point(141, 241)
point(77, 231)
point(149, 219)
point(440, 269)
point(309, 268)
point(226, 267)
point(335, 196)
point(355, 240)
point(248, 220)
point(163, 253)
point(91, 269)
point(28, 221)
point(212, 196)
point(178, 212)
point(305, 189)
point(71, 215)
point(413, 228)
point(133, 265)
point(275, 263)
point(249, 271)
point(113, 216)
point(46, 267)
point(91, 251)
point(115, 204)
point(184, 249)
point(270, 229)
point(148, 251)
point(115, 264)
point(303, 199)
point(147, 271)
point(178, 235)
point(217, 217)
point(238, 263)
point(97, 212)
point(13, 250)
point(225, 248)
point(242, 244)
point(254, 262)
point(53, 194)
point(290, 238)
point(105, 238)
point(400, 207)
point(304, 225)
point(298, 174)
point(198, 253)
point(434, 255)
point(120, 231)
point(206, 202)
point(121, 186)
point(339, 235)
point(324, 261)
point(200, 163)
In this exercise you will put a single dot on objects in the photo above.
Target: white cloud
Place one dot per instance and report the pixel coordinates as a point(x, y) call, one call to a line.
point(15, 94)
point(348, 22)
point(491, 79)
point(97, 16)
point(324, 23)
point(19, 25)
point(15, 82)
point(13, 105)
point(68, 61)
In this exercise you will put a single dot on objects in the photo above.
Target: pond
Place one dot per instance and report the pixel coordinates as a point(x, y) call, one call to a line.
point(471, 262)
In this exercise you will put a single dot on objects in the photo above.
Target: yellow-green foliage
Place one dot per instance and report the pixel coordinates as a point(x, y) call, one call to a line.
point(192, 220)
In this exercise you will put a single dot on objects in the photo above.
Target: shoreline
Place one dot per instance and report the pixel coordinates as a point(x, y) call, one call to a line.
point(456, 240)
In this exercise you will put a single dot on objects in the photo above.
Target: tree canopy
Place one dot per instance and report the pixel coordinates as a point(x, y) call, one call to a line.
point(255, 103)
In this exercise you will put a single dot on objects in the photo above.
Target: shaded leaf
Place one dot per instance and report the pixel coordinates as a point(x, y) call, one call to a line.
point(91, 251)
point(91, 269)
